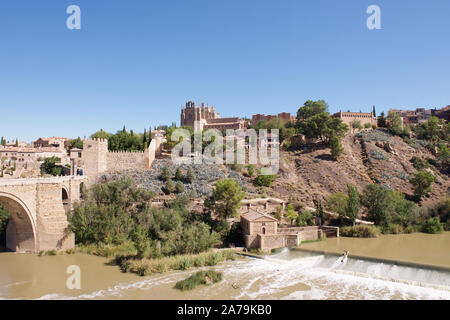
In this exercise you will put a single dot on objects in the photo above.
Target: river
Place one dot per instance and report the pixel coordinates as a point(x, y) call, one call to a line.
point(287, 275)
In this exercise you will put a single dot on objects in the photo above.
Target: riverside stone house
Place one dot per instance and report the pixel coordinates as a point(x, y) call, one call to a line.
point(261, 231)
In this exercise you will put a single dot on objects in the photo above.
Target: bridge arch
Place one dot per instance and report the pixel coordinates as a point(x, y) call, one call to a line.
point(21, 230)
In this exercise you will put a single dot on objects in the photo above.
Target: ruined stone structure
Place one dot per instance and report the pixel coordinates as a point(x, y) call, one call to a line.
point(261, 231)
point(206, 117)
point(38, 212)
point(95, 159)
point(349, 117)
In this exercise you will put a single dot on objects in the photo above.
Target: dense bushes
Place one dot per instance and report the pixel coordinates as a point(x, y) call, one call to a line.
point(117, 213)
point(392, 213)
point(433, 225)
point(360, 231)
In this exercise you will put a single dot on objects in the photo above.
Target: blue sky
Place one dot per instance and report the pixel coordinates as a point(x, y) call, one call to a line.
point(136, 62)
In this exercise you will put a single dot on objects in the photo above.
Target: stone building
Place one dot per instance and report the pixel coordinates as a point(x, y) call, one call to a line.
point(443, 113)
point(56, 142)
point(32, 155)
point(261, 231)
point(206, 117)
point(414, 116)
point(349, 117)
point(284, 116)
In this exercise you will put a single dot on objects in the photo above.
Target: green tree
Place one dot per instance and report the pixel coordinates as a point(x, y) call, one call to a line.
point(76, 144)
point(50, 166)
point(336, 147)
point(429, 130)
point(190, 177)
point(225, 199)
point(315, 122)
point(290, 213)
point(433, 225)
point(144, 139)
point(265, 180)
point(353, 204)
point(311, 108)
point(376, 199)
point(179, 174)
point(305, 218)
point(100, 135)
point(337, 202)
point(422, 182)
point(381, 122)
point(443, 153)
point(179, 188)
point(141, 241)
point(169, 187)
point(165, 174)
point(395, 123)
point(250, 170)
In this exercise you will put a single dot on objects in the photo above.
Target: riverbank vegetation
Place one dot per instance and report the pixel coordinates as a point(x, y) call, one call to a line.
point(116, 219)
point(146, 267)
point(360, 231)
point(391, 212)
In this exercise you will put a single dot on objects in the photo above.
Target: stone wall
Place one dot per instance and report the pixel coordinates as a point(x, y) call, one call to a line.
point(120, 161)
point(96, 159)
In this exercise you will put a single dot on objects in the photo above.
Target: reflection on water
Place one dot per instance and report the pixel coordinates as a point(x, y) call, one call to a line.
point(287, 275)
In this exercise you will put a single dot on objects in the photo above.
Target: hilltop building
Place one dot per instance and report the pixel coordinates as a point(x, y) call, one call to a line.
point(57, 142)
point(284, 116)
point(414, 116)
point(443, 113)
point(206, 117)
point(349, 117)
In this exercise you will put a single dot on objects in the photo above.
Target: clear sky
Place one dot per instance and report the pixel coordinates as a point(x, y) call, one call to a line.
point(136, 62)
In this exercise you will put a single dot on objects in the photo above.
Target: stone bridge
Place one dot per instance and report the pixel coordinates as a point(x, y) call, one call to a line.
point(38, 212)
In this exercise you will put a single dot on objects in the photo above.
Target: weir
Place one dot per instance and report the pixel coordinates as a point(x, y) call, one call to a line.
point(363, 267)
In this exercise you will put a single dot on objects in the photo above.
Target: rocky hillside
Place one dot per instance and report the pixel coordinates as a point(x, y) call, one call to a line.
point(369, 156)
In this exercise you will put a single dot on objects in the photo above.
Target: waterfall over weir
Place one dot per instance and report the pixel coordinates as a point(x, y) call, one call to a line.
point(364, 269)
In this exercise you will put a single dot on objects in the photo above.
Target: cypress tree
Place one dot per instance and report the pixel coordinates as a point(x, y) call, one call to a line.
point(144, 139)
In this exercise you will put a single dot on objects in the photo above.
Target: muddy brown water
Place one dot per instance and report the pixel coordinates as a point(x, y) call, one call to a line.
point(286, 275)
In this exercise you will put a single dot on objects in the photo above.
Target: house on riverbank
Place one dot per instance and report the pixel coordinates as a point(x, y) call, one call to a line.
point(261, 231)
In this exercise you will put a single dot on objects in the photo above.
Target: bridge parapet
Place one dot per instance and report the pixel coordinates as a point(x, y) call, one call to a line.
point(21, 181)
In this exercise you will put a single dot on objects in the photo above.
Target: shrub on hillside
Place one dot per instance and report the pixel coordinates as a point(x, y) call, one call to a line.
point(265, 180)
